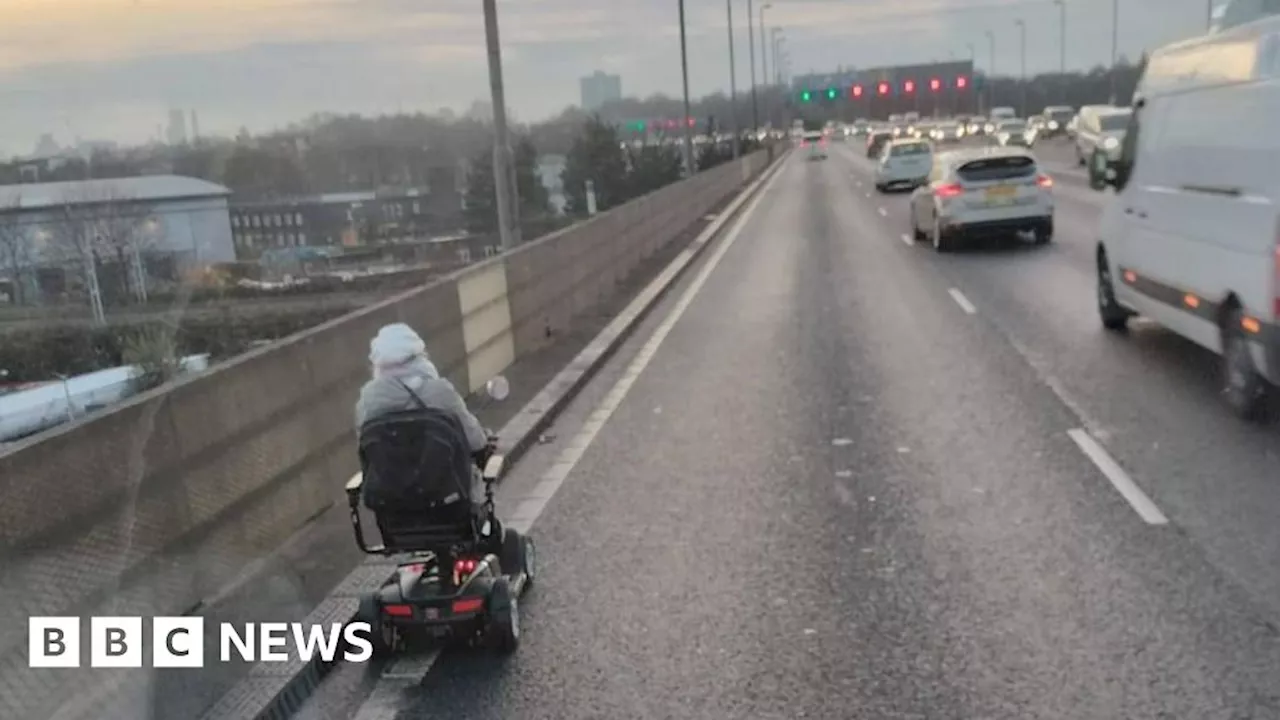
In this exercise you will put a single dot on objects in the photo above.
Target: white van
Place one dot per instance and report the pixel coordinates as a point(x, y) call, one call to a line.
point(1190, 238)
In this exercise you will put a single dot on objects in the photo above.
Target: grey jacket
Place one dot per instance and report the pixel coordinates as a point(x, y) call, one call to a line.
point(386, 393)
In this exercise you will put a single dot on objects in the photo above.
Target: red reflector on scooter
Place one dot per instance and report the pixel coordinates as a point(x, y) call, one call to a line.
point(398, 610)
point(467, 605)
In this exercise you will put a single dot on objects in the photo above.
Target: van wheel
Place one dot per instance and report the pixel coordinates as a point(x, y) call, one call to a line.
point(1114, 315)
point(1245, 390)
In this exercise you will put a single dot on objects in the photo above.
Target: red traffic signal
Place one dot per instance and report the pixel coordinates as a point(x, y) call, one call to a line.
point(857, 91)
point(883, 89)
point(962, 82)
point(935, 84)
point(909, 86)
point(692, 122)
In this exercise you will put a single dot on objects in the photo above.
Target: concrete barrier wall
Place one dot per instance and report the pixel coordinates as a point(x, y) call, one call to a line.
point(159, 502)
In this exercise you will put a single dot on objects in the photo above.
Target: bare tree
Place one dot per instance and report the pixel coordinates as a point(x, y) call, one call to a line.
point(15, 257)
point(121, 225)
point(97, 223)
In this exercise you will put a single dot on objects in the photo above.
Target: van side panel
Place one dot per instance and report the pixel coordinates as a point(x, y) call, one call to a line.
point(1203, 196)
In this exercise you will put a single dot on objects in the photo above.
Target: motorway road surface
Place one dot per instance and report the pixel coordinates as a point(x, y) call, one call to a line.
point(843, 476)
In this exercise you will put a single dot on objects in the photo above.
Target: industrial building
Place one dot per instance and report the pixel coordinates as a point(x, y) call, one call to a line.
point(170, 224)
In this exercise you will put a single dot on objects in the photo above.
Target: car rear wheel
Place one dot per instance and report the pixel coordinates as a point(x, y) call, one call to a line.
point(1043, 234)
point(1244, 388)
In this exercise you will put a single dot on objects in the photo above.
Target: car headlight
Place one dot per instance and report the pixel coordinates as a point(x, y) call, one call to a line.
point(1053, 126)
point(1111, 143)
point(991, 128)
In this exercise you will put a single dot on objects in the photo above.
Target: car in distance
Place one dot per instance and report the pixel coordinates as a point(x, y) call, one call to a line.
point(1057, 117)
point(904, 164)
point(923, 130)
point(983, 192)
point(816, 142)
point(998, 115)
point(1013, 133)
point(1101, 128)
point(947, 132)
point(876, 142)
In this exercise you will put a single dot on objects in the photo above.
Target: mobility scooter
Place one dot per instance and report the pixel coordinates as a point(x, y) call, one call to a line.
point(462, 572)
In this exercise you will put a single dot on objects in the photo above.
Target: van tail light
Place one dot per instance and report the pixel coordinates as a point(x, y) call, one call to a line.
point(948, 191)
point(1044, 181)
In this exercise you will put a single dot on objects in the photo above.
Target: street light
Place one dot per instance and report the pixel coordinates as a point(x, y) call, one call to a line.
point(1115, 45)
point(778, 40)
point(973, 64)
point(684, 70)
point(733, 81)
point(751, 55)
point(1022, 29)
point(504, 172)
point(991, 69)
point(1062, 45)
point(764, 52)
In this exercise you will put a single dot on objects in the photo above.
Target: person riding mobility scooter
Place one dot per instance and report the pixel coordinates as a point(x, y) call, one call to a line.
point(463, 572)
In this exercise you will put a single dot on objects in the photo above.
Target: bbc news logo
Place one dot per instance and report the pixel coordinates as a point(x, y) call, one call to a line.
point(178, 642)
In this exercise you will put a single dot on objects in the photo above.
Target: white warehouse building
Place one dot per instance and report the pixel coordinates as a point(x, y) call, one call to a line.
point(44, 227)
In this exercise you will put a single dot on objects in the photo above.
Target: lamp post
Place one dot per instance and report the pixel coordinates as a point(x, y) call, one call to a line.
point(1115, 45)
point(1062, 45)
point(684, 122)
point(973, 63)
point(733, 82)
point(751, 56)
point(991, 69)
point(504, 175)
point(1022, 29)
point(778, 57)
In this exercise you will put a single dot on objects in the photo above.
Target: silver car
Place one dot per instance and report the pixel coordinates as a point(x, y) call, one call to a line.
point(1101, 130)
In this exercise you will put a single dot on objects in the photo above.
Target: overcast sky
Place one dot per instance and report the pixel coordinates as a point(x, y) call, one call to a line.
point(112, 68)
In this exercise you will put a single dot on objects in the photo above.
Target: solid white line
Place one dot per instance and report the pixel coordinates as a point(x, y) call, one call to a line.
point(1120, 480)
point(387, 696)
point(906, 240)
point(963, 301)
point(547, 486)
point(882, 212)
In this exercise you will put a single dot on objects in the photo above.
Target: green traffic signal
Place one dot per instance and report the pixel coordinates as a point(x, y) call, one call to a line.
point(805, 96)
point(831, 93)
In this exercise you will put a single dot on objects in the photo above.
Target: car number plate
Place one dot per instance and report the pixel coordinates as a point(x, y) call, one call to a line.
point(431, 613)
point(1001, 195)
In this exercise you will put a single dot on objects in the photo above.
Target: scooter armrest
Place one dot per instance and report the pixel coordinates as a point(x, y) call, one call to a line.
point(493, 468)
point(353, 489)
